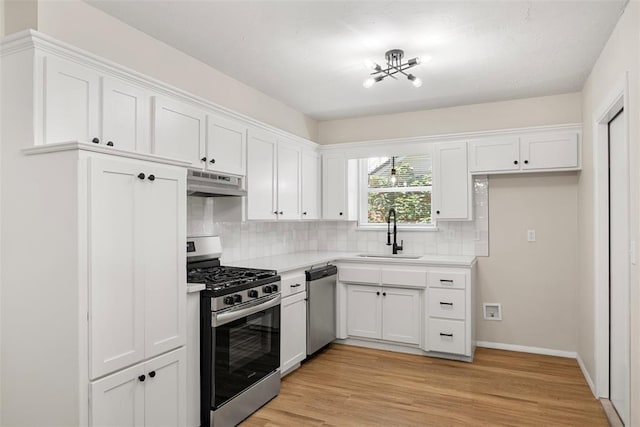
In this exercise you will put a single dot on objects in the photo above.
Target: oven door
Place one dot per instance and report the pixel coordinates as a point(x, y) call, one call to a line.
point(245, 347)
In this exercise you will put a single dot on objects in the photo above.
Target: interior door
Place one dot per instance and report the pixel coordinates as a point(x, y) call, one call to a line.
point(619, 267)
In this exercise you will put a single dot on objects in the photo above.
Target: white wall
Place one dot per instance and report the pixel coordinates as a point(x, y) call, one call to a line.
point(546, 110)
point(86, 27)
point(620, 55)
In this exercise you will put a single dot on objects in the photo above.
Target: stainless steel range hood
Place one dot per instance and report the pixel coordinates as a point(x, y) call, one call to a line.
point(208, 184)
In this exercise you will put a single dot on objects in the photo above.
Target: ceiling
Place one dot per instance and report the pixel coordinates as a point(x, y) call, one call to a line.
point(310, 54)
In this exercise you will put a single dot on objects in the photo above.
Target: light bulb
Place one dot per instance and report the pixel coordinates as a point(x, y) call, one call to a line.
point(368, 82)
point(417, 82)
point(394, 179)
point(414, 61)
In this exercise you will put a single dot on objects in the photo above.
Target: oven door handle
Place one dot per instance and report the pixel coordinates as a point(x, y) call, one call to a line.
point(219, 319)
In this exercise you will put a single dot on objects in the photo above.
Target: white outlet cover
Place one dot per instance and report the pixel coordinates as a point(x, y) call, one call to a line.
point(492, 311)
point(531, 235)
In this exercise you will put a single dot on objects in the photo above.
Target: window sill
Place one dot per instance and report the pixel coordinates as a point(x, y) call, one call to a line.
point(383, 227)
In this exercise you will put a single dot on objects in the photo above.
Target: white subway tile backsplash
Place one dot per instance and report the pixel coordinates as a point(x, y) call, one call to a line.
point(242, 240)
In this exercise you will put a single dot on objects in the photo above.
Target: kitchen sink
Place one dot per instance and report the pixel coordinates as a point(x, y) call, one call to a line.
point(396, 256)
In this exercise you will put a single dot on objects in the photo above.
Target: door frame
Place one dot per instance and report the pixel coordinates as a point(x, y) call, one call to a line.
point(617, 100)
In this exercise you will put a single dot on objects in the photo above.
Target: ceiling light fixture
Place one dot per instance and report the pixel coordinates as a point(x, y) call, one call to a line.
point(394, 66)
point(394, 174)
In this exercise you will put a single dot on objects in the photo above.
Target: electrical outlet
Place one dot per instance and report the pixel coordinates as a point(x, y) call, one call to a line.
point(492, 311)
point(531, 235)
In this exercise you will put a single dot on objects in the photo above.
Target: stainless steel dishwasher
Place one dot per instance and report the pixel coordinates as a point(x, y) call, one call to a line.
point(321, 307)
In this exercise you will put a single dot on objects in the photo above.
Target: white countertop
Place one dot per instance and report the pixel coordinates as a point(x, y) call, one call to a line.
point(294, 261)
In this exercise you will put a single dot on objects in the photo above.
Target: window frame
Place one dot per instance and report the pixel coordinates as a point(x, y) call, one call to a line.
point(363, 198)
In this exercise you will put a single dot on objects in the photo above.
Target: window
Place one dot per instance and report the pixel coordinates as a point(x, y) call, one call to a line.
point(409, 193)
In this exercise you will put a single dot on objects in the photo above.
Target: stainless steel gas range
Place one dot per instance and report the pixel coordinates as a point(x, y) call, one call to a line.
point(239, 335)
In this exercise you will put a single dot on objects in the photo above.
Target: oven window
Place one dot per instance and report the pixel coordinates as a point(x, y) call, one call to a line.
point(246, 351)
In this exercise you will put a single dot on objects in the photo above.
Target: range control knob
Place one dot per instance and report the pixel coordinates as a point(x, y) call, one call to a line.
point(237, 299)
point(274, 288)
point(228, 300)
point(267, 289)
point(253, 294)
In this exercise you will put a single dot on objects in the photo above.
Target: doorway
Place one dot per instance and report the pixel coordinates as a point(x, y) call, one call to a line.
point(619, 244)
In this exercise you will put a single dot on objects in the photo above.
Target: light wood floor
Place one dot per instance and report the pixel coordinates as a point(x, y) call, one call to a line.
point(352, 386)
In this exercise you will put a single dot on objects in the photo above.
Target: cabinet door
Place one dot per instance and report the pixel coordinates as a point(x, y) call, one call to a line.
point(226, 146)
point(125, 116)
point(310, 185)
point(401, 315)
point(70, 102)
point(261, 176)
point(549, 151)
point(293, 335)
point(166, 390)
point(178, 131)
point(495, 155)
point(118, 400)
point(334, 188)
point(163, 220)
point(451, 183)
point(364, 311)
point(288, 182)
point(116, 287)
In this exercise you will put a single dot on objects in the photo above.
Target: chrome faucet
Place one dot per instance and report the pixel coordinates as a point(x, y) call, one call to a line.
point(396, 247)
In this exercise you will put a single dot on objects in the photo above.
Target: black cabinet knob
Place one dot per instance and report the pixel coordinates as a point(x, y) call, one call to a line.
point(152, 177)
point(280, 213)
point(141, 175)
point(96, 140)
point(340, 213)
point(377, 293)
point(110, 143)
point(212, 161)
point(437, 212)
point(526, 162)
point(275, 212)
point(152, 374)
point(384, 294)
point(141, 378)
point(304, 213)
point(204, 159)
point(515, 162)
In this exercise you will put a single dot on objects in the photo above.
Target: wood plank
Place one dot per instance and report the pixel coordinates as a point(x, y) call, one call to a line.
point(354, 386)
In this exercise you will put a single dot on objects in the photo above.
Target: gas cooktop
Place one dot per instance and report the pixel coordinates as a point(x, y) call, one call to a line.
point(221, 280)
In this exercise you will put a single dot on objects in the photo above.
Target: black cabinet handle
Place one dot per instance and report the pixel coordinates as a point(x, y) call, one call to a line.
point(152, 374)
point(515, 162)
point(152, 177)
point(442, 334)
point(141, 175)
point(212, 161)
point(526, 162)
point(141, 378)
point(204, 159)
point(96, 140)
point(446, 303)
point(448, 281)
point(297, 285)
point(377, 293)
point(110, 143)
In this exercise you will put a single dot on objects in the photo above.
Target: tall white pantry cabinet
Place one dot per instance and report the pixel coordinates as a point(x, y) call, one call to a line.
point(93, 275)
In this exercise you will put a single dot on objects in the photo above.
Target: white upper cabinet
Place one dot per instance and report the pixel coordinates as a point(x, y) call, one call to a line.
point(310, 185)
point(262, 150)
point(530, 152)
point(334, 187)
point(178, 131)
point(226, 146)
point(125, 116)
point(137, 297)
point(288, 181)
point(71, 101)
point(451, 182)
point(549, 151)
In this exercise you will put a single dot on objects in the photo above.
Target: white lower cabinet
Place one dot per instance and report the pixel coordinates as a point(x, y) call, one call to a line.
point(152, 393)
point(293, 331)
point(447, 336)
point(391, 314)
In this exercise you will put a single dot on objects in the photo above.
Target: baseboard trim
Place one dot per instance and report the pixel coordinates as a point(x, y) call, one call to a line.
point(586, 376)
point(527, 349)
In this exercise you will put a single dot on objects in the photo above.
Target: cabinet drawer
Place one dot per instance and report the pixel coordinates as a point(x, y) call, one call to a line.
point(292, 284)
point(443, 279)
point(391, 276)
point(359, 274)
point(447, 303)
point(446, 336)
